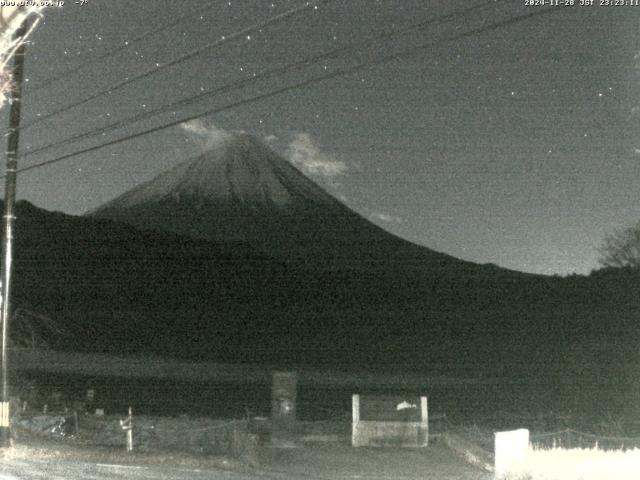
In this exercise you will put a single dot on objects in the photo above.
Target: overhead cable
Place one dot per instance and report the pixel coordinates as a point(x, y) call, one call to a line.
point(305, 83)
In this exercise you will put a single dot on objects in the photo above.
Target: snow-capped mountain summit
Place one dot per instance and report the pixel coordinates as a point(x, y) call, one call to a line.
point(238, 170)
point(241, 190)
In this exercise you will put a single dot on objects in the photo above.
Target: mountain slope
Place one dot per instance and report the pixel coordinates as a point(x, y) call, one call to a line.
point(240, 190)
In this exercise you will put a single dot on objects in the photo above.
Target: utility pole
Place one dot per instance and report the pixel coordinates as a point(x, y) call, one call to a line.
point(13, 134)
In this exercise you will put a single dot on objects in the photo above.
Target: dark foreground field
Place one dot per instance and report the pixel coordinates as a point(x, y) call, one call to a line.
point(37, 457)
point(67, 445)
point(204, 420)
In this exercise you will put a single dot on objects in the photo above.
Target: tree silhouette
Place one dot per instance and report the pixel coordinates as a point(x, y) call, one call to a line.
point(621, 248)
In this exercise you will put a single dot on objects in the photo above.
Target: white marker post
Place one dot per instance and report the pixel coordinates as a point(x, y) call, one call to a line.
point(127, 426)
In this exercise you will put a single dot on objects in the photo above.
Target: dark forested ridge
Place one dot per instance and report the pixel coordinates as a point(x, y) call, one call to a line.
point(114, 288)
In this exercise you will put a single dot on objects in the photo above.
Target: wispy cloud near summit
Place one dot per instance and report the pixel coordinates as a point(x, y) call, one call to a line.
point(205, 134)
point(305, 154)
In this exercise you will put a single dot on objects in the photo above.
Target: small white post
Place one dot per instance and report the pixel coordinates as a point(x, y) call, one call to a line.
point(127, 426)
point(355, 413)
point(424, 417)
point(130, 440)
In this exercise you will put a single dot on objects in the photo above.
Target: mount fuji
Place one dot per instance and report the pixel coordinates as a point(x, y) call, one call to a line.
point(242, 191)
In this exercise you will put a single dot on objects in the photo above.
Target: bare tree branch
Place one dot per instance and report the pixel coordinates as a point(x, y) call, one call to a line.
point(621, 248)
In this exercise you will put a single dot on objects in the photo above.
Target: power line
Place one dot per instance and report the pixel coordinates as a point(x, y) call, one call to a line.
point(178, 60)
point(268, 73)
point(115, 51)
point(386, 59)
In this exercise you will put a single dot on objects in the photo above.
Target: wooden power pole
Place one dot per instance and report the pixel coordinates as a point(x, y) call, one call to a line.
point(13, 134)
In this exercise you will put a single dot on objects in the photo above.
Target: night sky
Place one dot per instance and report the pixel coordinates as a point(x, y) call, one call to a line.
point(516, 145)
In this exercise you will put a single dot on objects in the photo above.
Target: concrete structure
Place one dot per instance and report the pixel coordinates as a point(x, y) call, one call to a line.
point(390, 420)
point(510, 449)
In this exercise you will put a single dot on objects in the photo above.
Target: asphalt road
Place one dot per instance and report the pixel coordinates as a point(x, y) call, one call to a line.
point(323, 463)
point(52, 469)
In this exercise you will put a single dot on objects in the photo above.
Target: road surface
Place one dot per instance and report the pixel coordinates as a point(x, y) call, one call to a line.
point(325, 462)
